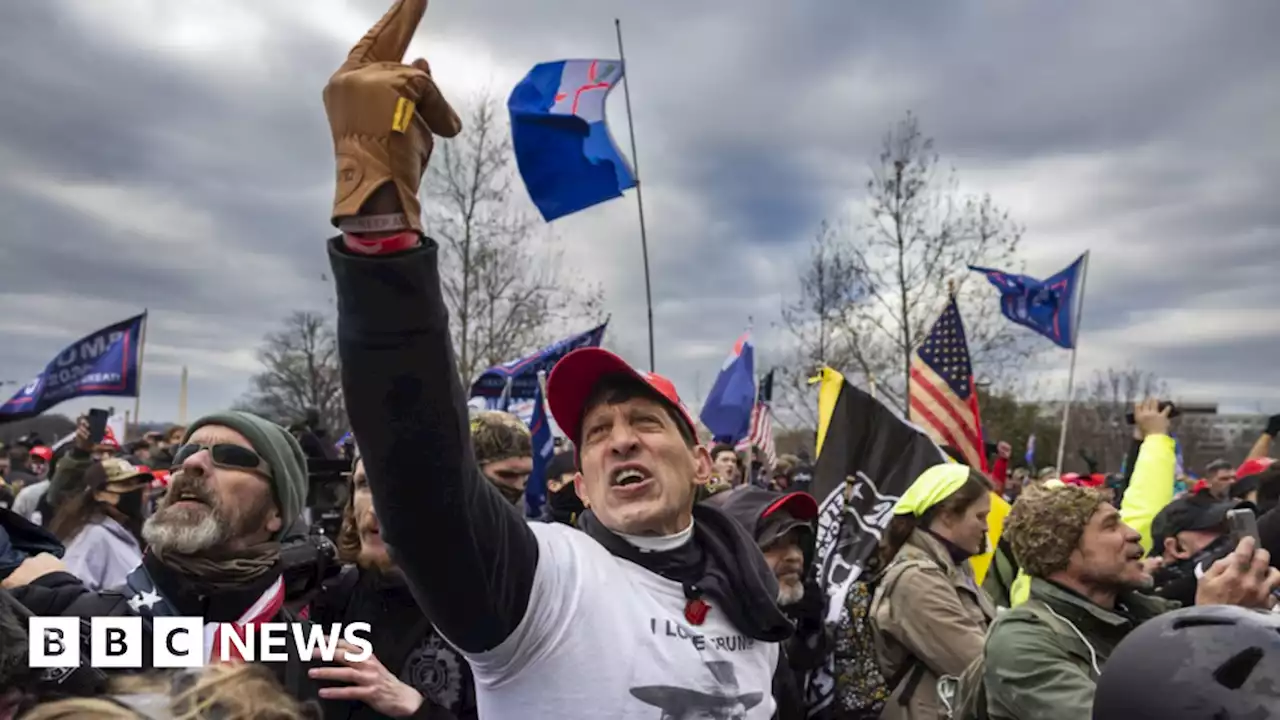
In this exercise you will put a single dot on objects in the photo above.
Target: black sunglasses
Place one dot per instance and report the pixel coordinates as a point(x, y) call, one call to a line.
point(225, 455)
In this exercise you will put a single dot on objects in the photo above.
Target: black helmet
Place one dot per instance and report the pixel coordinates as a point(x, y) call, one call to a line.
point(1216, 661)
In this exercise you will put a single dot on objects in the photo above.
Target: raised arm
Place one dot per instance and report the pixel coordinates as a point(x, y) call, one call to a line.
point(468, 555)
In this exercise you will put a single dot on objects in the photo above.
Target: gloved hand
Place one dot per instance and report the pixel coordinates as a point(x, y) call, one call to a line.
point(382, 114)
point(1273, 425)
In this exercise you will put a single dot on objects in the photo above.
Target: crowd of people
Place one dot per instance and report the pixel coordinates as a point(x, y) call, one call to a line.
point(667, 578)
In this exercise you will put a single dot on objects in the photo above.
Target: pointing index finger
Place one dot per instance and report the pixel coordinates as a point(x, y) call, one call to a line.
point(388, 40)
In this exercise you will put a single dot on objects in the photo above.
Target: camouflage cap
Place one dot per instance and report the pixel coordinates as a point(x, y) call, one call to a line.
point(1046, 524)
point(499, 436)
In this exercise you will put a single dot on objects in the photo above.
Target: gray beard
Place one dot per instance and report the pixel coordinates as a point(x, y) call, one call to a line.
point(790, 593)
point(167, 533)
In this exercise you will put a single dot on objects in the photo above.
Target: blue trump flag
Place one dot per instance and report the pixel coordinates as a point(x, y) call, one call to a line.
point(727, 409)
point(518, 379)
point(544, 446)
point(566, 156)
point(1050, 306)
point(101, 363)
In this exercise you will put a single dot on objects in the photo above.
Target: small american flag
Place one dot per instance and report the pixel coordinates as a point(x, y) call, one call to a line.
point(942, 396)
point(761, 432)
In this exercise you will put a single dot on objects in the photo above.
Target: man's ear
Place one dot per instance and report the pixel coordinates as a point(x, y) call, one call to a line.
point(274, 523)
point(578, 489)
point(702, 467)
point(1173, 548)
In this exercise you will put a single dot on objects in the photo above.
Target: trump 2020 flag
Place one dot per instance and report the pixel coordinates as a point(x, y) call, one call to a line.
point(518, 379)
point(1050, 307)
point(727, 410)
point(566, 156)
point(104, 363)
point(544, 446)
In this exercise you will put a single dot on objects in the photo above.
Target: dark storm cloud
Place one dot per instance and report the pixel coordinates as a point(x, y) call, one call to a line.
point(755, 121)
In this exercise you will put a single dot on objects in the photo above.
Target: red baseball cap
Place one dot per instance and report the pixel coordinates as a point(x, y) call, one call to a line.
point(800, 505)
point(576, 375)
point(1253, 466)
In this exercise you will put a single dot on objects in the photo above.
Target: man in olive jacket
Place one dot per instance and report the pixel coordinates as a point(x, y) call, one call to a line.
point(1043, 658)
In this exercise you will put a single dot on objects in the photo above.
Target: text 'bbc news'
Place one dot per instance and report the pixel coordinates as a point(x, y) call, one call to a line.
point(184, 642)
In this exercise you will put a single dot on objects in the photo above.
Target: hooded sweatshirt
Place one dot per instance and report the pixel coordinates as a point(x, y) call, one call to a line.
point(102, 554)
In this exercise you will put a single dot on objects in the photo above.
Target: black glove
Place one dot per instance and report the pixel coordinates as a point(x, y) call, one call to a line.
point(1089, 460)
point(1273, 425)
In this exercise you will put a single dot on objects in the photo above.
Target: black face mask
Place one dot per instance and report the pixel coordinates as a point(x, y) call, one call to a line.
point(130, 504)
point(515, 496)
point(565, 506)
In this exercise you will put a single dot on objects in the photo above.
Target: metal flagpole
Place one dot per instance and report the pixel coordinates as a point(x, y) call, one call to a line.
point(137, 398)
point(1071, 374)
point(635, 165)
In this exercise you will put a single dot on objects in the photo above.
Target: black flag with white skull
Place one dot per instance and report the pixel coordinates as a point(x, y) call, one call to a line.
point(867, 457)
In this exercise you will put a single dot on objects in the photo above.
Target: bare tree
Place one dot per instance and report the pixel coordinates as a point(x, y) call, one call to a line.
point(913, 242)
point(830, 283)
point(501, 276)
point(301, 371)
point(1098, 425)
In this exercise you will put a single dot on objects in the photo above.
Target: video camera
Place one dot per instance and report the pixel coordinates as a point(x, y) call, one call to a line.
point(307, 562)
point(327, 489)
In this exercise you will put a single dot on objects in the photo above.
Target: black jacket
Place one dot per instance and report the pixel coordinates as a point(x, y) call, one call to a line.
point(409, 411)
point(403, 641)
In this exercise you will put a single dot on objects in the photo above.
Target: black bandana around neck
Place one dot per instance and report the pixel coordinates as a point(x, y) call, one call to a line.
point(722, 562)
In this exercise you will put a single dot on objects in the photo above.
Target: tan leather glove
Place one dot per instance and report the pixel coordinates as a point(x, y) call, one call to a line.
point(382, 114)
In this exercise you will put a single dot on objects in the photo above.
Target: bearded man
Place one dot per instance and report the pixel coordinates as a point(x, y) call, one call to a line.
point(238, 483)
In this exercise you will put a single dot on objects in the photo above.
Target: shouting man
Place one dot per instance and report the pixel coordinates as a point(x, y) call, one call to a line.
point(238, 483)
point(555, 622)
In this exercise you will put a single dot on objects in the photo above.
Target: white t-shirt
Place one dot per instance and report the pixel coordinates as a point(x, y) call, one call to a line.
point(605, 638)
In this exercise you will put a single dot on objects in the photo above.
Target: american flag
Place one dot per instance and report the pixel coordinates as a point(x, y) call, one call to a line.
point(941, 395)
point(760, 433)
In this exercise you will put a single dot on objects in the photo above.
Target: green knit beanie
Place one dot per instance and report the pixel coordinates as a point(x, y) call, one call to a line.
point(281, 451)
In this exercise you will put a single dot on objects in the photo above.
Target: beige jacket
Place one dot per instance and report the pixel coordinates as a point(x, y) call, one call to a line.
point(927, 609)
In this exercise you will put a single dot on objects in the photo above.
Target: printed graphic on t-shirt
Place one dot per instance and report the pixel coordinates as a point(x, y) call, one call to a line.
point(438, 672)
point(718, 699)
point(710, 692)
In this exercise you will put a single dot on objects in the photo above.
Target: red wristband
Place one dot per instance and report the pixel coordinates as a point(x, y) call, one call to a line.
point(381, 244)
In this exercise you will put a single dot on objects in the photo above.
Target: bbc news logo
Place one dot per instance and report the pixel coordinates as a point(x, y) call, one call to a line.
point(185, 642)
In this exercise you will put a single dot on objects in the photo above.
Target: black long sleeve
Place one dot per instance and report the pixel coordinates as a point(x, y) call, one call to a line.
point(468, 555)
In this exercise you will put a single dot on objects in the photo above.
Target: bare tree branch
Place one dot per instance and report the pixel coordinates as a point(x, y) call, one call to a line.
point(914, 234)
point(301, 371)
point(500, 274)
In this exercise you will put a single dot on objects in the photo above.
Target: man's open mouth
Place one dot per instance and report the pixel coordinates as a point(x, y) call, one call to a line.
point(627, 477)
point(189, 497)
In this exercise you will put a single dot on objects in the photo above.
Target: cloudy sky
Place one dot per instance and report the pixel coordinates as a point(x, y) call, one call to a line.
point(175, 156)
